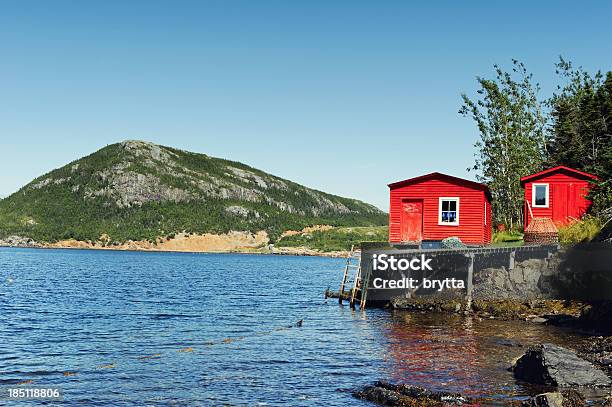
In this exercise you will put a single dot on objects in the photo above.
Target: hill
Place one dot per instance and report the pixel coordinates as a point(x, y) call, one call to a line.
point(137, 190)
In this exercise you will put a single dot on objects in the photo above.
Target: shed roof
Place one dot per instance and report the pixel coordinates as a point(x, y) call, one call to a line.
point(439, 175)
point(556, 169)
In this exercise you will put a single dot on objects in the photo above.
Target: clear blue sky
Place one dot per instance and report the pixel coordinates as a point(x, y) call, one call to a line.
point(342, 96)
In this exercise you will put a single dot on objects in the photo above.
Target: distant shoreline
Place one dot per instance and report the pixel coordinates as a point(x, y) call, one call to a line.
point(318, 240)
point(284, 251)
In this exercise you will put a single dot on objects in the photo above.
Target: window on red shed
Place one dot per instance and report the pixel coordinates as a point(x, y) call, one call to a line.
point(540, 195)
point(448, 211)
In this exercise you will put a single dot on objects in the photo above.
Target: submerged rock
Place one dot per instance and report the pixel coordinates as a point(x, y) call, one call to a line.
point(553, 365)
point(427, 304)
point(387, 394)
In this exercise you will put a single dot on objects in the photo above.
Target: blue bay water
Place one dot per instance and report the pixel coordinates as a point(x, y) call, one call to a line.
point(120, 324)
point(75, 311)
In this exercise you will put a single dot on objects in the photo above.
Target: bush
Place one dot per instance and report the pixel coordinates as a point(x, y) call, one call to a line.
point(583, 230)
point(336, 239)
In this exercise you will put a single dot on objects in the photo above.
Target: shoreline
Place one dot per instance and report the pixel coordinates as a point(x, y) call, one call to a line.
point(183, 242)
point(284, 251)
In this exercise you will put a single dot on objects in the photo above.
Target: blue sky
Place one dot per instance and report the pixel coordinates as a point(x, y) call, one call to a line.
point(342, 96)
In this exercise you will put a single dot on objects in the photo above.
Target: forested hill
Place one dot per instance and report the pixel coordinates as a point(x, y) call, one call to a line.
point(137, 190)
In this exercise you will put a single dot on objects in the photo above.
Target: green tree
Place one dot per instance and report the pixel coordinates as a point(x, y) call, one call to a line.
point(582, 127)
point(512, 123)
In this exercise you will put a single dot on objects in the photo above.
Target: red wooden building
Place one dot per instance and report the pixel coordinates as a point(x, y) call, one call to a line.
point(436, 206)
point(558, 193)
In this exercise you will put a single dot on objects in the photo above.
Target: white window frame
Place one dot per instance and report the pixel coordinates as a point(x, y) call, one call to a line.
point(446, 198)
point(533, 195)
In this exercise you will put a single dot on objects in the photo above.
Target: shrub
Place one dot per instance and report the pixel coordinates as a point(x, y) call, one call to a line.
point(336, 239)
point(583, 230)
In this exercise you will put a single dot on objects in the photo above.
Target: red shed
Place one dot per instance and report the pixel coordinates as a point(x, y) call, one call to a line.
point(558, 193)
point(436, 206)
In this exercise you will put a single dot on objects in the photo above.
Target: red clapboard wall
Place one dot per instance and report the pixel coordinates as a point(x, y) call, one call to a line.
point(415, 209)
point(564, 195)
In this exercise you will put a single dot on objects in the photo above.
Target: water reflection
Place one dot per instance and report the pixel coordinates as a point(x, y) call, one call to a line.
point(436, 352)
point(459, 354)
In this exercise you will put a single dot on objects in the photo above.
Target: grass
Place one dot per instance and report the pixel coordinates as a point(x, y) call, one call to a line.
point(341, 238)
point(335, 239)
point(507, 238)
point(583, 230)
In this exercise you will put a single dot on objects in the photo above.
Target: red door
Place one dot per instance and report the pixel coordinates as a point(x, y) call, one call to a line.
point(411, 221)
point(559, 203)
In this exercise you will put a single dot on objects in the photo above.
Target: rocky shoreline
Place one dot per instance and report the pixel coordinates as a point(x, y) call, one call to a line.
point(19, 241)
point(565, 373)
point(388, 394)
point(554, 312)
point(598, 351)
point(404, 395)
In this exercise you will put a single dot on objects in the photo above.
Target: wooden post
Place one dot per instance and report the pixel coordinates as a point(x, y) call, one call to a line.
point(470, 283)
point(364, 283)
point(408, 293)
point(549, 255)
point(356, 286)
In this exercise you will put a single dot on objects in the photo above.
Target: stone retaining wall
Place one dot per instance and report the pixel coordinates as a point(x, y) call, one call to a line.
point(524, 272)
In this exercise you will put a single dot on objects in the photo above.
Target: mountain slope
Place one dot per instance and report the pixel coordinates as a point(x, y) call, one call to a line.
point(137, 190)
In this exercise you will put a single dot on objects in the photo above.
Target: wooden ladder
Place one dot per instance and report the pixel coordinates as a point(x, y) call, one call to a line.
point(352, 277)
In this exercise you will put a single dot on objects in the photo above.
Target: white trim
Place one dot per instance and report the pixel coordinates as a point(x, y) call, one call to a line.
point(485, 213)
point(533, 195)
point(445, 198)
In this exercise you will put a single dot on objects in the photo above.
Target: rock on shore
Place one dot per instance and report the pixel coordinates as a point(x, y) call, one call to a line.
point(19, 241)
point(387, 394)
point(549, 364)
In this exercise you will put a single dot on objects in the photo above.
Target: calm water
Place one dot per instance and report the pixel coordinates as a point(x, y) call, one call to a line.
point(123, 323)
